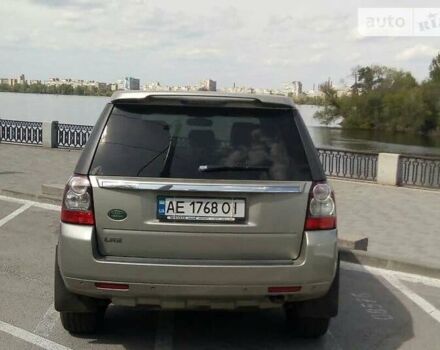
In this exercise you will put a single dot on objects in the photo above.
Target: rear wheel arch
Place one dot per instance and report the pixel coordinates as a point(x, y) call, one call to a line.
point(66, 301)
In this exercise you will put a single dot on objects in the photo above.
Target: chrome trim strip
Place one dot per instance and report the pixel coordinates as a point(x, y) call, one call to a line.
point(194, 262)
point(199, 187)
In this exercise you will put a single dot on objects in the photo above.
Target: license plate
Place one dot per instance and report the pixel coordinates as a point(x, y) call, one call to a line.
point(200, 209)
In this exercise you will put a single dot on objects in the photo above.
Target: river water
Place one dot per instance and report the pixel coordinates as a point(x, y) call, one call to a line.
point(86, 109)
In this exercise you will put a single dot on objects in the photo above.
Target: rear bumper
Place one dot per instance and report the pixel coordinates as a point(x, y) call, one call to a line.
point(183, 284)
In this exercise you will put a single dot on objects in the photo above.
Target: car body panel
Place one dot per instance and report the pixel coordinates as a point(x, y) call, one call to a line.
point(272, 229)
point(81, 266)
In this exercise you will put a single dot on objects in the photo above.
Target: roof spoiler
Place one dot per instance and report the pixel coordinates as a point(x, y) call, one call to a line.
point(201, 99)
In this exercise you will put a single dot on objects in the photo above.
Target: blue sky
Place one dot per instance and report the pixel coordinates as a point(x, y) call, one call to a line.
point(256, 43)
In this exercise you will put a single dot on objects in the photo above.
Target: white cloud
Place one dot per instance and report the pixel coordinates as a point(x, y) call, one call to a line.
point(71, 3)
point(260, 43)
point(352, 57)
point(277, 62)
point(200, 53)
point(319, 46)
point(317, 58)
point(418, 51)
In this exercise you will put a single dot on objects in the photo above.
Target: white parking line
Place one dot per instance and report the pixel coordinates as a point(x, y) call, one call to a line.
point(394, 278)
point(15, 213)
point(335, 341)
point(409, 277)
point(46, 324)
point(164, 331)
point(414, 297)
point(30, 337)
point(32, 203)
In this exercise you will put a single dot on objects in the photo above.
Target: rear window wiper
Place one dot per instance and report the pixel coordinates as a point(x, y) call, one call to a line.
point(169, 150)
point(165, 172)
point(216, 168)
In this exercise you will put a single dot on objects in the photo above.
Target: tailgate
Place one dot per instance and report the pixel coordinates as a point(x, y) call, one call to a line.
point(272, 227)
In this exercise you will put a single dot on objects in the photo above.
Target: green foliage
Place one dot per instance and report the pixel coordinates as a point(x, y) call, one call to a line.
point(434, 69)
point(308, 100)
point(332, 106)
point(387, 99)
point(63, 89)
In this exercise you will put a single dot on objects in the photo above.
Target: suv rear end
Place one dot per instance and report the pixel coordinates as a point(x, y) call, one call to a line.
point(198, 201)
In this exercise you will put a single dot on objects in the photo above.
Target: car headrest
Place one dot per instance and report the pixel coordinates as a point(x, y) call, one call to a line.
point(241, 134)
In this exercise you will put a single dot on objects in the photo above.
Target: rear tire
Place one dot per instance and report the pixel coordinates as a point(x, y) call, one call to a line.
point(311, 318)
point(81, 322)
point(79, 314)
point(307, 327)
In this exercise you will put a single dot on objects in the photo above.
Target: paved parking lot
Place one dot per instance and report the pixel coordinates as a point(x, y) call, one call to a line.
point(379, 309)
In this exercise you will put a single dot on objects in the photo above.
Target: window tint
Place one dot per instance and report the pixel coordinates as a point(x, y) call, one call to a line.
point(201, 143)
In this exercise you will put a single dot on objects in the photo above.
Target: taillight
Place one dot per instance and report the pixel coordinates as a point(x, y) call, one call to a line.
point(321, 209)
point(77, 205)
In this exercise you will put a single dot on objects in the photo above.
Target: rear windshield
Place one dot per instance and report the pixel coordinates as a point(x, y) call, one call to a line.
point(201, 143)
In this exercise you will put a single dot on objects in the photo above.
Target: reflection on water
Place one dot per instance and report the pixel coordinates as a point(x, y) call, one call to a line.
point(86, 109)
point(375, 141)
point(368, 140)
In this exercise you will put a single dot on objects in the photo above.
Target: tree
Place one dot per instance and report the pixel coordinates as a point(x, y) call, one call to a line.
point(367, 78)
point(382, 98)
point(434, 69)
point(331, 110)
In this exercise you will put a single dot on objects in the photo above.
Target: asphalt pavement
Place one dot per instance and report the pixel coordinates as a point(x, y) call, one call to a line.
point(379, 309)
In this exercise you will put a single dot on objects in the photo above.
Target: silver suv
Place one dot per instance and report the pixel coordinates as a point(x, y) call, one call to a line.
point(196, 201)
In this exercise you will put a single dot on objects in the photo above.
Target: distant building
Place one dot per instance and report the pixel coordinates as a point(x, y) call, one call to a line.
point(92, 83)
point(239, 89)
point(118, 85)
point(208, 85)
point(13, 82)
point(205, 85)
point(132, 83)
point(72, 82)
point(53, 82)
point(294, 88)
point(155, 86)
point(22, 79)
point(315, 93)
point(343, 91)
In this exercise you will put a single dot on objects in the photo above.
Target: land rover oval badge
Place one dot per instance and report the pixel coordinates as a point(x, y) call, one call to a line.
point(117, 214)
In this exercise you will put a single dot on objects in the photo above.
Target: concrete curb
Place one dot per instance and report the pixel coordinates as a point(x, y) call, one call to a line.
point(389, 263)
point(353, 242)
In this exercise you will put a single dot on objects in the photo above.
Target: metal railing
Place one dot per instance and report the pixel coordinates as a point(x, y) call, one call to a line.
point(21, 132)
point(72, 135)
point(349, 164)
point(415, 171)
point(419, 171)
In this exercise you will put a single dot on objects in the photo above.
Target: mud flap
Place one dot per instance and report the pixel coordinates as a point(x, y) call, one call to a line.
point(324, 307)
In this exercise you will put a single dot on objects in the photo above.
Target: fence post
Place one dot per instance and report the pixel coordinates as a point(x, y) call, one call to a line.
point(388, 169)
point(50, 130)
